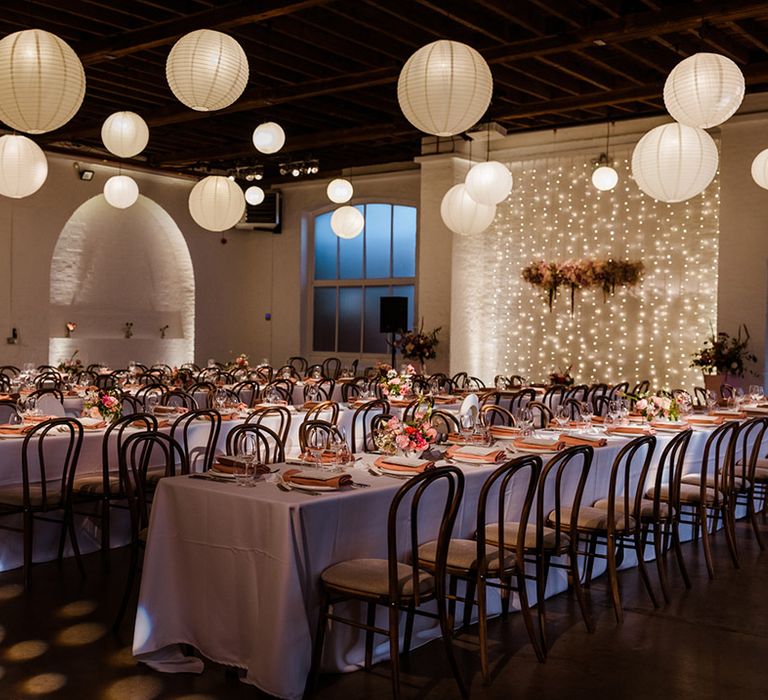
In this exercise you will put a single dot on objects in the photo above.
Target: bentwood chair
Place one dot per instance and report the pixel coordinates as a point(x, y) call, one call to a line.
point(325, 410)
point(618, 391)
point(269, 447)
point(518, 400)
point(179, 398)
point(553, 396)
point(8, 408)
point(298, 363)
point(309, 427)
point(277, 418)
point(198, 458)
point(49, 457)
point(361, 424)
point(643, 386)
point(417, 406)
point(130, 404)
point(751, 480)
point(247, 392)
point(480, 564)
point(542, 414)
point(445, 423)
point(497, 415)
point(393, 583)
point(331, 367)
point(323, 388)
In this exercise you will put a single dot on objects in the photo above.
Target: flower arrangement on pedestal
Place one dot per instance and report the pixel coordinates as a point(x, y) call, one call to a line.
point(410, 436)
point(561, 377)
point(102, 404)
point(419, 345)
point(72, 365)
point(723, 354)
point(397, 385)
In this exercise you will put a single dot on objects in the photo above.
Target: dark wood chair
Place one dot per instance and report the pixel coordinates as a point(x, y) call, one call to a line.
point(247, 392)
point(198, 458)
point(444, 423)
point(328, 430)
point(321, 410)
point(361, 423)
point(299, 363)
point(323, 389)
point(749, 483)
point(331, 367)
point(553, 396)
point(542, 414)
point(496, 415)
point(278, 416)
point(179, 398)
point(269, 447)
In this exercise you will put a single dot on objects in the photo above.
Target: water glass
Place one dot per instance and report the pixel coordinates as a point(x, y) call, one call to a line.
point(525, 421)
point(245, 473)
point(317, 443)
point(738, 396)
point(467, 425)
point(614, 410)
point(585, 411)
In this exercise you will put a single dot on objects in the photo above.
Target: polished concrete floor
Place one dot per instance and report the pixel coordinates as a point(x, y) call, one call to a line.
point(709, 643)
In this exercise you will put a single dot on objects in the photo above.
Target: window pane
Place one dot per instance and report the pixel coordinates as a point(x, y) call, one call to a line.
point(378, 240)
point(325, 248)
point(351, 257)
point(324, 322)
point(406, 290)
point(350, 318)
point(374, 341)
point(404, 242)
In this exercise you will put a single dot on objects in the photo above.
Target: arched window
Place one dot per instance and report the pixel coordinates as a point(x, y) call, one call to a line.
point(350, 276)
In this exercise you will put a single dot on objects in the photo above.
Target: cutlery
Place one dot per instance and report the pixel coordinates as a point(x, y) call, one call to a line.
point(283, 486)
point(208, 477)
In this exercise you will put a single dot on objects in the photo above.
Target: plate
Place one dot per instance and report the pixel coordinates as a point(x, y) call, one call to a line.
point(222, 475)
point(534, 450)
point(307, 487)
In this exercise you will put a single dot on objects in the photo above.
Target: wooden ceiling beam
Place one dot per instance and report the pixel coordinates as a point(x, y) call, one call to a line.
point(723, 43)
point(749, 35)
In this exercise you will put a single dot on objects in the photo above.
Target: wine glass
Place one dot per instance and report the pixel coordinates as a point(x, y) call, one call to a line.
point(317, 443)
point(562, 416)
point(501, 383)
point(151, 402)
point(525, 420)
point(711, 400)
point(467, 425)
point(220, 399)
point(738, 396)
point(15, 418)
point(585, 412)
point(245, 472)
point(614, 410)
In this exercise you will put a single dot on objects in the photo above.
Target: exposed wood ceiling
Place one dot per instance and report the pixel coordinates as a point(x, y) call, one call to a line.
point(326, 70)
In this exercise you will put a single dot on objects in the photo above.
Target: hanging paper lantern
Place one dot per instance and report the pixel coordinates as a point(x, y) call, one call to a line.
point(444, 88)
point(254, 195)
point(125, 134)
point(674, 162)
point(207, 70)
point(216, 203)
point(121, 191)
point(463, 215)
point(339, 190)
point(489, 183)
point(605, 178)
point(23, 166)
point(268, 137)
point(760, 169)
point(42, 82)
point(704, 90)
point(347, 222)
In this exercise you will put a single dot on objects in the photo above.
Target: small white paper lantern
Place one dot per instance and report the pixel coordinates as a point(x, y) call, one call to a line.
point(216, 203)
point(347, 222)
point(339, 190)
point(444, 88)
point(760, 169)
point(489, 183)
point(254, 195)
point(121, 191)
point(42, 82)
point(674, 162)
point(268, 137)
point(604, 178)
point(23, 166)
point(207, 70)
point(463, 215)
point(704, 90)
point(125, 134)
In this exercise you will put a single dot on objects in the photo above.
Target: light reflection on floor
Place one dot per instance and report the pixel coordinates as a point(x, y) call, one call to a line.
point(24, 651)
point(44, 683)
point(142, 629)
point(134, 688)
point(122, 658)
point(78, 608)
point(10, 591)
point(80, 634)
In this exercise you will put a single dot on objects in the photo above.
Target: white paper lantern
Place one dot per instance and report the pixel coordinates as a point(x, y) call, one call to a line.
point(42, 82)
point(674, 162)
point(605, 178)
point(207, 70)
point(254, 195)
point(489, 183)
point(339, 190)
point(760, 169)
point(125, 134)
point(216, 203)
point(444, 88)
point(347, 222)
point(463, 215)
point(704, 90)
point(23, 166)
point(121, 191)
point(268, 137)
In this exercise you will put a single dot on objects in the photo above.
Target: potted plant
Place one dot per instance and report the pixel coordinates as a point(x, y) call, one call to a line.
point(419, 345)
point(723, 359)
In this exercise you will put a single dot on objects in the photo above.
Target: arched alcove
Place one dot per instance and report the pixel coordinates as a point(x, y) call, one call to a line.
point(116, 266)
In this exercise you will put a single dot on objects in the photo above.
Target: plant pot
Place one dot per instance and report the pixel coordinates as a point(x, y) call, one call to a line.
point(713, 382)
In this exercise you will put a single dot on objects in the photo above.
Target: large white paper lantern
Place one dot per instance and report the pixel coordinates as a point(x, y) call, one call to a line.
point(463, 215)
point(604, 178)
point(125, 134)
point(207, 70)
point(674, 162)
point(216, 203)
point(489, 183)
point(121, 191)
point(268, 137)
point(444, 88)
point(704, 90)
point(760, 169)
point(347, 222)
point(254, 195)
point(23, 166)
point(42, 82)
point(339, 190)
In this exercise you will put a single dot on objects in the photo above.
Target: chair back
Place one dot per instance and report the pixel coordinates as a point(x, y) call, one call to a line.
point(720, 451)
point(542, 414)
point(112, 443)
point(641, 387)
point(444, 423)
point(269, 446)
point(751, 436)
point(496, 415)
point(351, 390)
point(179, 397)
point(618, 391)
point(578, 392)
point(320, 411)
point(130, 404)
point(150, 393)
point(278, 418)
point(361, 423)
point(282, 387)
point(324, 389)
point(331, 367)
point(669, 471)
point(247, 391)
point(308, 427)
point(626, 485)
point(49, 401)
point(517, 399)
point(200, 455)
point(421, 404)
point(553, 396)
point(8, 408)
point(298, 363)
point(410, 496)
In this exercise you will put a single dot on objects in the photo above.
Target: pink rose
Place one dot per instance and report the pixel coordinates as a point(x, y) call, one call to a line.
point(641, 405)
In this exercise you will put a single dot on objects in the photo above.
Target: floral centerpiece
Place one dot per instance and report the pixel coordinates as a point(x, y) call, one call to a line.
point(410, 436)
point(397, 385)
point(561, 377)
point(419, 345)
point(102, 404)
point(723, 354)
point(657, 407)
point(71, 365)
point(240, 362)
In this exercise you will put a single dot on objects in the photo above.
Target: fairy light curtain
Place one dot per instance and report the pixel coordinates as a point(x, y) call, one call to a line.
point(503, 325)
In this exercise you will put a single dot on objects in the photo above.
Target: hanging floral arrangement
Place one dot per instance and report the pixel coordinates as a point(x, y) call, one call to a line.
point(583, 274)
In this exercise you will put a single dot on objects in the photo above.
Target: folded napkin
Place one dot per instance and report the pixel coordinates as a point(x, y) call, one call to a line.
point(591, 440)
point(484, 455)
point(166, 410)
point(408, 465)
point(445, 398)
point(570, 424)
point(7, 429)
point(629, 430)
point(92, 423)
point(267, 404)
point(229, 464)
point(309, 405)
point(539, 443)
point(667, 425)
point(314, 477)
point(327, 457)
point(399, 402)
point(38, 419)
point(705, 420)
point(504, 432)
point(728, 413)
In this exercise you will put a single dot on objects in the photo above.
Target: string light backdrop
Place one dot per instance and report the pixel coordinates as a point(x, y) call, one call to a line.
point(503, 325)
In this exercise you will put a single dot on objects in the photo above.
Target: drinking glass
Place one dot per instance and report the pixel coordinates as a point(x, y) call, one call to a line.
point(467, 425)
point(220, 399)
point(15, 418)
point(562, 416)
point(624, 411)
point(759, 395)
point(245, 473)
point(287, 374)
point(711, 400)
point(585, 411)
point(316, 444)
point(151, 402)
point(614, 410)
point(525, 421)
point(738, 396)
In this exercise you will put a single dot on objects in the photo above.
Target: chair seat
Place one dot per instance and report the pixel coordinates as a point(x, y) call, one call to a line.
point(646, 507)
point(592, 519)
point(549, 540)
point(143, 534)
point(695, 478)
point(94, 484)
point(13, 496)
point(154, 474)
point(761, 473)
point(462, 556)
point(370, 577)
point(689, 493)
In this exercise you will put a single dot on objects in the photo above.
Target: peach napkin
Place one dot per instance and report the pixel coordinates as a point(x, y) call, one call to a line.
point(7, 429)
point(705, 420)
point(403, 464)
point(504, 432)
point(309, 478)
point(663, 425)
point(229, 464)
point(534, 443)
point(482, 455)
point(575, 440)
point(629, 430)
